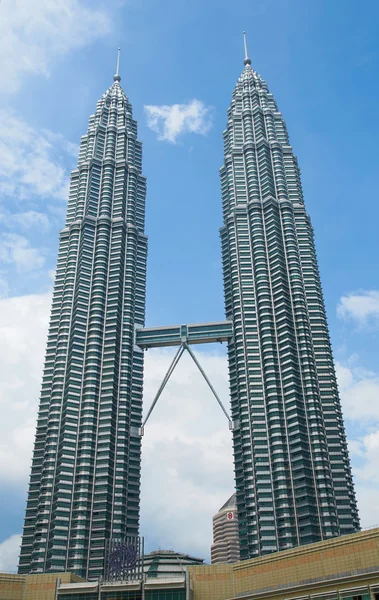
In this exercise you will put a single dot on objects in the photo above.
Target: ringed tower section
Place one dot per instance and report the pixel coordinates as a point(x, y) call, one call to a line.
point(85, 477)
point(293, 476)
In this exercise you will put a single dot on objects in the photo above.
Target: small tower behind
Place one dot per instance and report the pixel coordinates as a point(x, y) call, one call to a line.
point(225, 547)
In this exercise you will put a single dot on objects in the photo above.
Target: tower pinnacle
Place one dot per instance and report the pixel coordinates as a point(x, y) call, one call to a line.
point(247, 60)
point(117, 76)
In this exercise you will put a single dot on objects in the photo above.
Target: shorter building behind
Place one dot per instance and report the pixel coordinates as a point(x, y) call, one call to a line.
point(168, 563)
point(225, 547)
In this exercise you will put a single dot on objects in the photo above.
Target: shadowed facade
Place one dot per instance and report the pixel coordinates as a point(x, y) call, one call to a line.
point(85, 477)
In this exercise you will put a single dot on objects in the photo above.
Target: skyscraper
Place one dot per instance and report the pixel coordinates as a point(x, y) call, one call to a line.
point(85, 476)
point(293, 477)
point(225, 547)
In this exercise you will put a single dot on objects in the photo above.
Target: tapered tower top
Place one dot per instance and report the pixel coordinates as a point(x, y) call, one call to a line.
point(247, 60)
point(117, 77)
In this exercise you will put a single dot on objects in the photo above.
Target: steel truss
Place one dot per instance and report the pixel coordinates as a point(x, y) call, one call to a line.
point(184, 346)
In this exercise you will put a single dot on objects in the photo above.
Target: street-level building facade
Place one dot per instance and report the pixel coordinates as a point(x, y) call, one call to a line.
point(343, 568)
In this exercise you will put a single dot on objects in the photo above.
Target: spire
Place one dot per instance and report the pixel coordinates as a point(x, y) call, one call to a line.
point(247, 60)
point(117, 76)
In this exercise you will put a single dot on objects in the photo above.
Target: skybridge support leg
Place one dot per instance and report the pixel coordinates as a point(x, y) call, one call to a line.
point(209, 384)
point(184, 346)
point(163, 384)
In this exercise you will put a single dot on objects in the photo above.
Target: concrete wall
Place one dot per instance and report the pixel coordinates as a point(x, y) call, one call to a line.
point(351, 561)
point(11, 586)
point(33, 587)
point(344, 555)
point(340, 555)
point(212, 582)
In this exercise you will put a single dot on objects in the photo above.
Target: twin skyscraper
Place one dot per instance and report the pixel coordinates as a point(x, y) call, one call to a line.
point(292, 471)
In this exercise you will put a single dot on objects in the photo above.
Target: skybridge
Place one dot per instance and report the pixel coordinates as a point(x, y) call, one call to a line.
point(199, 333)
point(184, 336)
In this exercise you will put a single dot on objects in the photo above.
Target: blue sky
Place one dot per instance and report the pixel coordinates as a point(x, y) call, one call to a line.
point(320, 61)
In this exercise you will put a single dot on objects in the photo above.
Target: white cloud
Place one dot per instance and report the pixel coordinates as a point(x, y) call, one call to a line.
point(23, 333)
point(16, 250)
point(368, 504)
point(369, 451)
point(169, 122)
point(4, 288)
point(361, 307)
point(187, 461)
point(34, 34)
point(32, 219)
point(29, 164)
point(359, 390)
point(57, 139)
point(364, 453)
point(359, 394)
point(9, 552)
point(187, 471)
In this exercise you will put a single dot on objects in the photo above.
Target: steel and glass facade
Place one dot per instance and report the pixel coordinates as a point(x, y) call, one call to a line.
point(85, 477)
point(293, 477)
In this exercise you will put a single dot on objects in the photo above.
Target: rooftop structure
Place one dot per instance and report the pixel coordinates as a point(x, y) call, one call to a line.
point(168, 563)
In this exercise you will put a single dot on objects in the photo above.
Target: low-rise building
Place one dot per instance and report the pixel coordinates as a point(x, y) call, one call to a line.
point(344, 568)
point(165, 578)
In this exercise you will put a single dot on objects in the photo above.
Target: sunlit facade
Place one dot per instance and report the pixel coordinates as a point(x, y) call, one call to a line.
point(293, 477)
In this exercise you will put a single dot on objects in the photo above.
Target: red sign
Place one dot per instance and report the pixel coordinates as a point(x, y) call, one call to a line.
point(230, 516)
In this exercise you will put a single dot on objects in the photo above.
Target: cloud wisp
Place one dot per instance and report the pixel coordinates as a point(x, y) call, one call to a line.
point(30, 163)
point(9, 553)
point(187, 460)
point(16, 250)
point(23, 332)
point(359, 394)
point(175, 120)
point(361, 307)
point(359, 391)
point(24, 221)
point(34, 34)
